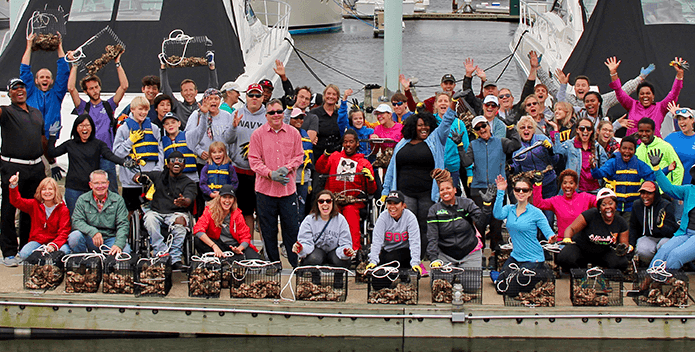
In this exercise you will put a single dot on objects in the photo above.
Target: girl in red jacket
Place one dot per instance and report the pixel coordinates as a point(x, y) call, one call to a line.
point(222, 228)
point(50, 218)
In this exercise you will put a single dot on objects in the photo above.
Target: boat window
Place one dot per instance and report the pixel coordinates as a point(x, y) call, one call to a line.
point(668, 11)
point(91, 10)
point(139, 10)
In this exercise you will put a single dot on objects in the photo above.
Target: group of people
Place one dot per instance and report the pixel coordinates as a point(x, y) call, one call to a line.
point(441, 167)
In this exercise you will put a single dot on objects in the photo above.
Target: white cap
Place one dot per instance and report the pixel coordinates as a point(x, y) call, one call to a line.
point(605, 193)
point(491, 98)
point(477, 120)
point(384, 108)
point(230, 86)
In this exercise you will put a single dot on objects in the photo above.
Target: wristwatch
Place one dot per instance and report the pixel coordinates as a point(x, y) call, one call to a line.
point(118, 64)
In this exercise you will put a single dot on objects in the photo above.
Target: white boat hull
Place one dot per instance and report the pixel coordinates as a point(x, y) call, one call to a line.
point(311, 16)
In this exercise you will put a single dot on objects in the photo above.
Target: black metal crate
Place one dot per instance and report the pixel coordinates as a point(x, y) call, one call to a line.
point(666, 288)
point(46, 24)
point(99, 50)
point(181, 50)
point(119, 274)
point(83, 272)
point(153, 276)
point(255, 279)
point(442, 281)
point(392, 287)
point(316, 283)
point(528, 288)
point(205, 276)
point(43, 270)
point(502, 256)
point(596, 287)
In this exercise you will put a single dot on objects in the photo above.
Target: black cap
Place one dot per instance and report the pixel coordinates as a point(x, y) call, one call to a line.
point(395, 196)
point(489, 83)
point(175, 154)
point(14, 83)
point(170, 115)
point(266, 83)
point(448, 77)
point(227, 190)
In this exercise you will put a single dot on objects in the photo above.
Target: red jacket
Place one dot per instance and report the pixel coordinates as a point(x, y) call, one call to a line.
point(239, 230)
point(334, 165)
point(44, 231)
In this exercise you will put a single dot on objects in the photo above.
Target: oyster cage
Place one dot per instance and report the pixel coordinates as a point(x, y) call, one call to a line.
point(528, 288)
point(255, 279)
point(596, 287)
point(99, 50)
point(119, 274)
point(46, 24)
point(153, 276)
point(443, 279)
point(181, 50)
point(43, 270)
point(502, 256)
point(320, 283)
point(82, 272)
point(205, 277)
point(393, 286)
point(361, 272)
point(668, 288)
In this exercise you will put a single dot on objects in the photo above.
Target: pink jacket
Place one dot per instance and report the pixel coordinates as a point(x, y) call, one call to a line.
point(636, 111)
point(565, 209)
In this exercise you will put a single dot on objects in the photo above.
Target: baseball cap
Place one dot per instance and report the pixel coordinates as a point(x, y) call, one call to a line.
point(14, 83)
point(489, 83)
point(317, 99)
point(170, 115)
point(210, 92)
point(384, 108)
point(230, 86)
point(395, 196)
point(648, 186)
point(605, 193)
point(253, 87)
point(685, 112)
point(296, 112)
point(227, 190)
point(477, 120)
point(491, 99)
point(266, 83)
point(448, 77)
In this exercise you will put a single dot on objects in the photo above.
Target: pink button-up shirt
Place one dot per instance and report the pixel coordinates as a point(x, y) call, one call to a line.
point(270, 150)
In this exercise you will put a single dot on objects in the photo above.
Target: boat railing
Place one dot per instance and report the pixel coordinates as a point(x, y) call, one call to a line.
point(276, 16)
point(5, 41)
point(542, 29)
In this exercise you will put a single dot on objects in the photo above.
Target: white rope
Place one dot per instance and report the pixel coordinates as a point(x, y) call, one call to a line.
point(251, 264)
point(207, 258)
point(85, 257)
point(42, 19)
point(516, 273)
point(660, 270)
point(594, 273)
point(121, 256)
point(318, 267)
point(176, 35)
point(388, 270)
point(43, 249)
point(551, 247)
point(449, 267)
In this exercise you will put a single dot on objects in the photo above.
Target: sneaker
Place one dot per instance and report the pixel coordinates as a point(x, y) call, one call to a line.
point(492, 263)
point(425, 273)
point(494, 275)
point(12, 261)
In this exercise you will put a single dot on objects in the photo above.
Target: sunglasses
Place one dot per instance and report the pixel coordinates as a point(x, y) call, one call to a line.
point(522, 190)
point(177, 160)
point(324, 201)
point(532, 103)
point(274, 112)
point(525, 127)
point(584, 128)
point(684, 112)
point(480, 126)
point(502, 96)
point(254, 95)
point(491, 105)
point(397, 103)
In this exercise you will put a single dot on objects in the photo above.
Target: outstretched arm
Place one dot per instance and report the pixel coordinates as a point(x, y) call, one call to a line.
point(122, 79)
point(72, 79)
point(26, 58)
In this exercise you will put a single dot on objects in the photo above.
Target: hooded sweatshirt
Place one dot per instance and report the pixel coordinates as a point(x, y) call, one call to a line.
point(669, 156)
point(241, 135)
point(657, 220)
point(335, 237)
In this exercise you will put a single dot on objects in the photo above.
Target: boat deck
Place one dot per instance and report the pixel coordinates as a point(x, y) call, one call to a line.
point(442, 16)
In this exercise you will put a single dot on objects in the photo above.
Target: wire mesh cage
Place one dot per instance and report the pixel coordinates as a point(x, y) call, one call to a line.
point(320, 283)
point(661, 288)
point(389, 285)
point(119, 274)
point(596, 287)
point(255, 279)
point(205, 276)
point(48, 26)
point(83, 272)
point(98, 51)
point(442, 281)
point(181, 50)
point(503, 254)
point(524, 287)
point(43, 270)
point(153, 276)
point(361, 272)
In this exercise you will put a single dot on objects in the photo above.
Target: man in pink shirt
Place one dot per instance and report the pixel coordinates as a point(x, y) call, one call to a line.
point(275, 153)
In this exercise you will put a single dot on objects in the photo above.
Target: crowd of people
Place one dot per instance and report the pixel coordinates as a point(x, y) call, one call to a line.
point(451, 171)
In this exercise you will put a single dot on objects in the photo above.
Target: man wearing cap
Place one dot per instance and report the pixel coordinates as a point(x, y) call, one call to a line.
point(490, 112)
point(652, 222)
point(102, 113)
point(189, 90)
point(447, 84)
point(268, 88)
point(230, 96)
point(172, 199)
point(275, 154)
point(22, 130)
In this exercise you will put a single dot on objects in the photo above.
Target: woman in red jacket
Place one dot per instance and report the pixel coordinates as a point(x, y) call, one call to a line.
point(222, 228)
point(50, 218)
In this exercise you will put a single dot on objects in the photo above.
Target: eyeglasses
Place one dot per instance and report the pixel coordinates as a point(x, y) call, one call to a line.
point(525, 127)
point(522, 190)
point(274, 112)
point(256, 95)
point(324, 201)
point(584, 128)
point(397, 103)
point(502, 96)
point(532, 103)
point(177, 160)
point(480, 126)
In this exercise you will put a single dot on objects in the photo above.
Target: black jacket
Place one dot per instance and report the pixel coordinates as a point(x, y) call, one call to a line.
point(83, 158)
point(167, 188)
point(660, 219)
point(450, 229)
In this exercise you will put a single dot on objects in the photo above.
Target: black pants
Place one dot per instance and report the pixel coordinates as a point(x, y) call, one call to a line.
point(573, 257)
point(320, 257)
point(201, 248)
point(29, 178)
point(495, 235)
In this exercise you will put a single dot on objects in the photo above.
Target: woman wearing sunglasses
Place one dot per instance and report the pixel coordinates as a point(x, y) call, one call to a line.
point(324, 235)
point(534, 109)
point(581, 152)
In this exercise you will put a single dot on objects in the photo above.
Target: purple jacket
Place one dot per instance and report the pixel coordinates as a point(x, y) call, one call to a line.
point(636, 111)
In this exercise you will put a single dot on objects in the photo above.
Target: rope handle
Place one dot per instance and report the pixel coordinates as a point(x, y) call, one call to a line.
point(449, 267)
point(67, 257)
point(121, 256)
point(515, 274)
point(660, 270)
point(388, 270)
point(207, 258)
point(318, 267)
point(42, 18)
point(175, 35)
point(253, 264)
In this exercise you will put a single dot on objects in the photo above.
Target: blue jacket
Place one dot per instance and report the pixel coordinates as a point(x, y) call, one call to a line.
point(686, 193)
point(362, 133)
point(523, 229)
point(49, 102)
point(624, 178)
point(452, 161)
point(436, 141)
point(402, 119)
point(536, 159)
point(488, 159)
point(573, 155)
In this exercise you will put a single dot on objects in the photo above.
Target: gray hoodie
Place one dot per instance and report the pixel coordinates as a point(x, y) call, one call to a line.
point(196, 131)
point(122, 146)
point(335, 237)
point(241, 135)
point(391, 235)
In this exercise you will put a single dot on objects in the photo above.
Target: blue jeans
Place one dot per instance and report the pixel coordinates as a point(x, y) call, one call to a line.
point(268, 209)
point(33, 245)
point(110, 169)
point(71, 196)
point(677, 251)
point(302, 194)
point(153, 223)
point(82, 243)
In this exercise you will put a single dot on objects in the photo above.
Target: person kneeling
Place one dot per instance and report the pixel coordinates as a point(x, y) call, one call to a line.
point(652, 223)
point(324, 235)
point(222, 228)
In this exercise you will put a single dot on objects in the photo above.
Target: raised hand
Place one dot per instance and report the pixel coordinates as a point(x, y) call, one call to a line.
point(489, 194)
point(237, 119)
point(625, 122)
point(279, 68)
point(562, 77)
point(480, 73)
point(136, 135)
point(456, 137)
point(644, 72)
point(14, 179)
point(533, 59)
point(537, 177)
point(680, 65)
point(655, 156)
point(672, 107)
point(405, 83)
point(470, 67)
point(612, 63)
point(501, 183)
point(348, 92)
point(54, 129)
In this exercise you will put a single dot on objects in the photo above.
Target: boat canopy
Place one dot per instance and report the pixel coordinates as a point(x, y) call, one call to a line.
point(141, 26)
